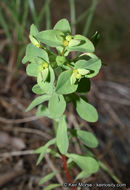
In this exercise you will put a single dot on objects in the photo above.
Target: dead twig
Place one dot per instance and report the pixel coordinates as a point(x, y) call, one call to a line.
point(28, 130)
point(16, 153)
point(12, 174)
point(114, 99)
point(54, 169)
point(18, 121)
point(11, 65)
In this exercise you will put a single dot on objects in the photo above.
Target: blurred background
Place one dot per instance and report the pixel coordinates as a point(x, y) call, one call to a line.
point(21, 133)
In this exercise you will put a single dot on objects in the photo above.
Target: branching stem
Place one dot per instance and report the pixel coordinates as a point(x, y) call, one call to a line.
point(63, 51)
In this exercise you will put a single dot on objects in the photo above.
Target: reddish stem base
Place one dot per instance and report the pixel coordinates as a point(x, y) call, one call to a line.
point(68, 177)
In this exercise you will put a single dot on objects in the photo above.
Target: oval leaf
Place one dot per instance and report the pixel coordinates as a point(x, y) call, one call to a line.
point(83, 174)
point(64, 85)
point(63, 25)
point(32, 69)
point(37, 90)
point(43, 111)
point(47, 178)
point(33, 52)
point(62, 137)
point(86, 163)
point(56, 105)
point(85, 45)
point(37, 101)
point(52, 38)
point(93, 65)
point(86, 111)
point(87, 138)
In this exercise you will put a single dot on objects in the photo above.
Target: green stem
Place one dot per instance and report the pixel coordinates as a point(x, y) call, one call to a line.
point(48, 16)
point(55, 124)
point(63, 51)
point(72, 15)
point(33, 12)
point(90, 17)
point(81, 17)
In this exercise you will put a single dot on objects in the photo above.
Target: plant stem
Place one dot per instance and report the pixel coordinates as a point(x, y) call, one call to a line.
point(68, 177)
point(73, 20)
point(63, 51)
point(90, 17)
point(72, 15)
point(48, 16)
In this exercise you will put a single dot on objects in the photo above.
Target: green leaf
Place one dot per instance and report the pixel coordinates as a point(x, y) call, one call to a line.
point(83, 86)
point(43, 111)
point(47, 178)
point(87, 138)
point(47, 86)
point(43, 149)
point(95, 38)
point(93, 65)
point(56, 105)
point(74, 43)
point(62, 137)
point(37, 90)
point(92, 55)
point(84, 46)
point(82, 175)
point(63, 25)
point(86, 111)
point(52, 38)
point(42, 76)
point(52, 75)
point(51, 186)
point(64, 85)
point(72, 79)
point(108, 171)
point(60, 60)
point(83, 71)
point(32, 69)
point(33, 30)
point(40, 149)
point(86, 163)
point(37, 101)
point(33, 52)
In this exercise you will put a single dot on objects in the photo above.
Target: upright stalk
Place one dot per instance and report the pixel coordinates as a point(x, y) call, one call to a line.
point(73, 20)
point(90, 17)
point(48, 15)
point(72, 15)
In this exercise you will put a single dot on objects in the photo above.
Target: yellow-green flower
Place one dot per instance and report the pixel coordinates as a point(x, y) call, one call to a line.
point(65, 43)
point(78, 74)
point(43, 66)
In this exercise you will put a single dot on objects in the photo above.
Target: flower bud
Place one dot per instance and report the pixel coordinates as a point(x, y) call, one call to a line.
point(65, 43)
point(43, 66)
point(78, 76)
point(37, 45)
point(68, 38)
point(83, 71)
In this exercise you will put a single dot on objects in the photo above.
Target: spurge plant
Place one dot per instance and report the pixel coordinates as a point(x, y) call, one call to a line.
point(61, 79)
